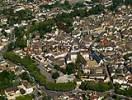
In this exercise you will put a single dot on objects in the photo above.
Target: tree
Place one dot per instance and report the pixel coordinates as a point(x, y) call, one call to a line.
point(42, 27)
point(95, 86)
point(11, 46)
point(55, 75)
point(97, 9)
point(80, 12)
point(20, 42)
point(115, 4)
point(78, 5)
point(19, 31)
point(126, 92)
point(57, 67)
point(128, 2)
point(2, 98)
point(67, 4)
point(95, 1)
point(60, 69)
point(6, 79)
point(46, 98)
point(22, 91)
point(70, 68)
point(80, 61)
point(30, 0)
point(25, 14)
point(25, 76)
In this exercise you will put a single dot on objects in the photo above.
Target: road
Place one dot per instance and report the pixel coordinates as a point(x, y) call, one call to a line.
point(44, 72)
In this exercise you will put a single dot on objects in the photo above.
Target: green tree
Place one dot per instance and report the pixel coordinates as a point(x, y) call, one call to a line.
point(46, 98)
point(60, 69)
point(42, 27)
point(70, 68)
point(115, 4)
point(128, 2)
point(2, 98)
point(20, 42)
point(22, 91)
point(96, 10)
point(95, 86)
point(95, 1)
point(66, 5)
point(6, 79)
point(19, 31)
point(80, 61)
point(78, 5)
point(55, 75)
point(25, 14)
point(126, 92)
point(11, 46)
point(25, 76)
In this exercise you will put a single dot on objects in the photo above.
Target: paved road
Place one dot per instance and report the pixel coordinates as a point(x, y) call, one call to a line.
point(44, 72)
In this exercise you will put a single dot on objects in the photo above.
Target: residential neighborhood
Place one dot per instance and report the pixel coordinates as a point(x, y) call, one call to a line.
point(65, 49)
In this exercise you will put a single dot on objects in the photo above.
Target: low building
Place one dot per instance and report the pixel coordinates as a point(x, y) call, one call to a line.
point(12, 93)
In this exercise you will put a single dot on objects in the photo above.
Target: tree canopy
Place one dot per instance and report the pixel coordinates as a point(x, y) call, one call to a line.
point(70, 68)
point(95, 86)
point(55, 75)
point(6, 79)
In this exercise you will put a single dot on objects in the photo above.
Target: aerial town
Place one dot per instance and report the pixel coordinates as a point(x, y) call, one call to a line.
point(65, 49)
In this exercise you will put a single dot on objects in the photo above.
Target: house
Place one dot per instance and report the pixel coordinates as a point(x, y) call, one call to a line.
point(27, 87)
point(94, 96)
point(34, 46)
point(3, 42)
point(2, 68)
point(12, 93)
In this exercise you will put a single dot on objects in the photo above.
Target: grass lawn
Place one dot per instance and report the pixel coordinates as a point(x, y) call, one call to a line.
point(25, 97)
